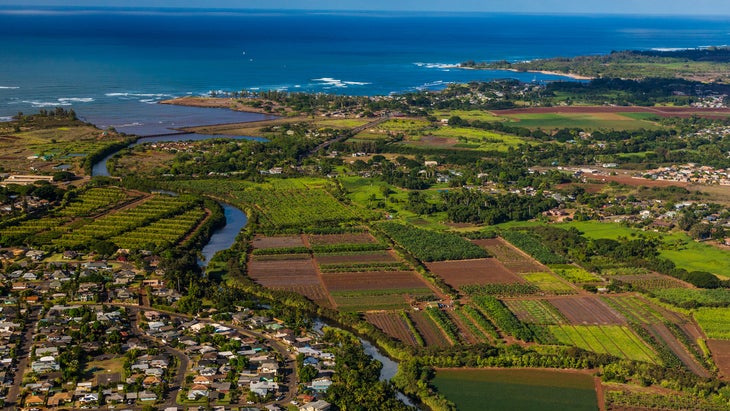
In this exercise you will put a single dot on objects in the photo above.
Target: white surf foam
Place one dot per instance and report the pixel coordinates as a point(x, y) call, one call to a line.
point(9, 88)
point(437, 65)
point(333, 82)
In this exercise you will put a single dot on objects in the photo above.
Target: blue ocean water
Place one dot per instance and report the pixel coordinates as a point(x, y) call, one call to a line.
point(112, 65)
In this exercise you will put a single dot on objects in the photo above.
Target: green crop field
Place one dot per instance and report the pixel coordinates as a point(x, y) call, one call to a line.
point(480, 139)
point(538, 390)
point(686, 297)
point(605, 339)
point(715, 322)
point(469, 115)
point(573, 273)
point(536, 311)
point(548, 283)
point(591, 121)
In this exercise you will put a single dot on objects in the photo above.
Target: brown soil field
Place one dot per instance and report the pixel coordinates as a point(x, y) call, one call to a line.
point(587, 310)
point(376, 280)
point(369, 257)
point(433, 141)
point(430, 332)
point(284, 273)
point(465, 334)
point(468, 272)
point(659, 111)
point(316, 293)
point(512, 258)
point(280, 257)
point(353, 238)
point(721, 354)
point(392, 324)
point(277, 242)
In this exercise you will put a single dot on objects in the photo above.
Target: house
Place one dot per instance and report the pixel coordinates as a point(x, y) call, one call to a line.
point(320, 405)
point(59, 398)
point(197, 391)
point(147, 396)
point(320, 384)
point(263, 387)
point(33, 400)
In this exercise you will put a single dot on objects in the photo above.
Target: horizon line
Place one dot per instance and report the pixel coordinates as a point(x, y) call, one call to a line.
point(21, 7)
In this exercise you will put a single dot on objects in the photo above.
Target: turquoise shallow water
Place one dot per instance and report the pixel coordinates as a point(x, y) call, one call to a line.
point(114, 64)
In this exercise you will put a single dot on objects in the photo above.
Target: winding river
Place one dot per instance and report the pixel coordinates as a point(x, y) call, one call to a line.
point(223, 238)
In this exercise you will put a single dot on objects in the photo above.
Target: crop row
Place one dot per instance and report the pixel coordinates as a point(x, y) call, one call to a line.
point(473, 328)
point(412, 328)
point(532, 246)
point(548, 283)
point(165, 231)
point(605, 339)
point(444, 323)
point(362, 267)
point(635, 309)
point(573, 273)
point(503, 317)
point(536, 311)
point(92, 200)
point(499, 289)
point(480, 320)
point(429, 245)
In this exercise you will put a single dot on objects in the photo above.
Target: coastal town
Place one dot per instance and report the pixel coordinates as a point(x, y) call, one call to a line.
point(76, 333)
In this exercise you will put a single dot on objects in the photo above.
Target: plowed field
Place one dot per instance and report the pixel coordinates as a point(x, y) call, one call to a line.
point(354, 238)
point(512, 258)
point(376, 280)
point(368, 257)
point(277, 242)
point(430, 332)
point(721, 354)
point(587, 310)
point(470, 272)
point(392, 324)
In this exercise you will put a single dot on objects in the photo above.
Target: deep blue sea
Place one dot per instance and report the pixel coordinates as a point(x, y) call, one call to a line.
point(111, 66)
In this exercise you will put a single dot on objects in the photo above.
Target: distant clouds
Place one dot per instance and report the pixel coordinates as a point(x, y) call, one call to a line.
point(674, 7)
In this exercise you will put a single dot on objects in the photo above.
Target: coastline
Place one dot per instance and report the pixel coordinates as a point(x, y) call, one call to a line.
point(213, 102)
point(551, 73)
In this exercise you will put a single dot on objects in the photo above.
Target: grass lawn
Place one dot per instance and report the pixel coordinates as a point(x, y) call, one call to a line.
point(591, 121)
point(523, 390)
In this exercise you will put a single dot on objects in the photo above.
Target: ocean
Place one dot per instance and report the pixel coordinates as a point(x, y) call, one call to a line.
point(112, 65)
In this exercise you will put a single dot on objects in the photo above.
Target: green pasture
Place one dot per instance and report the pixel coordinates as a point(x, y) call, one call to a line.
point(588, 121)
point(527, 390)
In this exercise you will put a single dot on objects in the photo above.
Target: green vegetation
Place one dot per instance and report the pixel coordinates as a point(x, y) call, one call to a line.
point(444, 323)
point(532, 246)
point(429, 245)
point(690, 298)
point(573, 273)
point(502, 290)
point(606, 339)
point(715, 322)
point(548, 283)
point(536, 311)
point(473, 390)
point(503, 317)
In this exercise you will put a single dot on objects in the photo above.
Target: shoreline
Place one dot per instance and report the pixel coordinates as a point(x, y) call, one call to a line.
point(214, 102)
point(547, 72)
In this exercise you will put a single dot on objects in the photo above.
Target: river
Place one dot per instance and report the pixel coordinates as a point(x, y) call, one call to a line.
point(223, 238)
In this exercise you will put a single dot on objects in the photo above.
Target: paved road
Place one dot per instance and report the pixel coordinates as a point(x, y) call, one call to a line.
point(352, 133)
point(23, 353)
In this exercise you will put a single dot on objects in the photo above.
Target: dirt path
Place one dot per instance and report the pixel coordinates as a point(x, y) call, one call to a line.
point(600, 395)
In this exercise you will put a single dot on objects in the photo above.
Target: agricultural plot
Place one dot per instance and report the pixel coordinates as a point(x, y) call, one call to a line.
point(651, 282)
point(587, 310)
point(471, 272)
point(280, 204)
point(509, 256)
point(31, 227)
point(715, 322)
point(507, 389)
point(472, 332)
point(266, 242)
point(357, 257)
point(164, 232)
point(720, 350)
point(615, 340)
point(574, 274)
point(348, 238)
point(637, 310)
point(689, 297)
point(298, 275)
point(536, 312)
point(93, 200)
point(427, 245)
point(589, 121)
point(431, 333)
point(376, 290)
point(114, 224)
point(548, 283)
point(393, 324)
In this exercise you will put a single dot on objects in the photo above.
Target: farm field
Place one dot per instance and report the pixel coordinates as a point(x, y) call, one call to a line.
point(280, 203)
point(427, 245)
point(356, 257)
point(535, 311)
point(720, 350)
point(651, 282)
point(469, 272)
point(393, 324)
point(528, 390)
point(264, 242)
point(349, 238)
point(580, 310)
point(431, 333)
point(690, 297)
point(715, 322)
point(573, 273)
point(615, 340)
point(295, 275)
point(548, 283)
point(509, 256)
point(589, 120)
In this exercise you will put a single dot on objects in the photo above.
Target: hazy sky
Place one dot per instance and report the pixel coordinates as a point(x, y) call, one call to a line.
point(675, 7)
